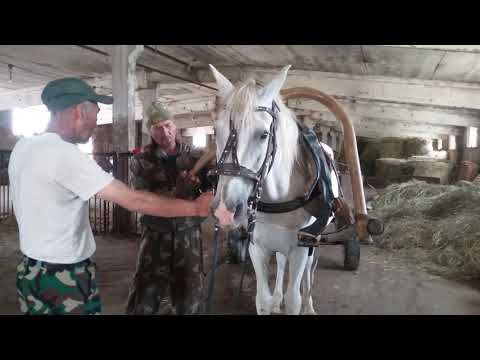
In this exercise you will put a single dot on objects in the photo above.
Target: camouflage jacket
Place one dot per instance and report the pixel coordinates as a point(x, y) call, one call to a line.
point(155, 171)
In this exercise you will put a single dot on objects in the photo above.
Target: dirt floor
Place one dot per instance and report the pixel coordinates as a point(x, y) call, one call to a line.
point(382, 284)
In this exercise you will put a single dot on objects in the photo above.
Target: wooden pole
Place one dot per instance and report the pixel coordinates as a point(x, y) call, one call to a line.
point(124, 59)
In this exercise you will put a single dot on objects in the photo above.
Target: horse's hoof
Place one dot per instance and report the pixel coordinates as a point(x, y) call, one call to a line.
point(309, 312)
point(277, 304)
point(276, 309)
point(263, 312)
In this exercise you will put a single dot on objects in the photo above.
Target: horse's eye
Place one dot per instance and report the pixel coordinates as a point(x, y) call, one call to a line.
point(264, 135)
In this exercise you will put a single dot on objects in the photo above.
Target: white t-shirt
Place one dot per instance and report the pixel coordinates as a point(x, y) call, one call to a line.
point(51, 181)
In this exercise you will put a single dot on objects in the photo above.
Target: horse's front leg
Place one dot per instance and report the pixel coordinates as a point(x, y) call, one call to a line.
point(307, 284)
point(278, 292)
point(263, 299)
point(293, 299)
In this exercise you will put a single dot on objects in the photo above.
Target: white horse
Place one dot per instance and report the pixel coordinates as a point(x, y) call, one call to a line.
point(288, 178)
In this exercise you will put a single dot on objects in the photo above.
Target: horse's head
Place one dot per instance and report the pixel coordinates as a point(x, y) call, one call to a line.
point(247, 120)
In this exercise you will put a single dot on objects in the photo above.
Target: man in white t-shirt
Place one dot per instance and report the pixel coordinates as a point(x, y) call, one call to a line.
point(51, 181)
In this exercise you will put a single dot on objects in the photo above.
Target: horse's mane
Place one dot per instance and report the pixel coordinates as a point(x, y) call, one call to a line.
point(242, 103)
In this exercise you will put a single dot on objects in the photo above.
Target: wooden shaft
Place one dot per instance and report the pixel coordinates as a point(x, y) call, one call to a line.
point(350, 146)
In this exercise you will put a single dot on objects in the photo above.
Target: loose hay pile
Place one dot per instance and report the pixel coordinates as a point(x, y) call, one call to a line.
point(437, 225)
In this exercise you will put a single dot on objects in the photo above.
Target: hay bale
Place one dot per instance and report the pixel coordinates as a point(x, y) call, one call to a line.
point(389, 171)
point(414, 146)
point(368, 157)
point(391, 148)
point(438, 225)
point(402, 148)
point(428, 168)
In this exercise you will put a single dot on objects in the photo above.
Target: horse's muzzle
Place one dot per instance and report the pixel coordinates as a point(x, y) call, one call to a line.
point(226, 215)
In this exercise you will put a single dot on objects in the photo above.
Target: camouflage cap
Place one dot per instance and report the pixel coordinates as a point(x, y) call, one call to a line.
point(157, 113)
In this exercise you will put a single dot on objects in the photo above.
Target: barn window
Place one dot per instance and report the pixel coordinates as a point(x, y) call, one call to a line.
point(452, 142)
point(30, 120)
point(33, 120)
point(472, 137)
point(199, 140)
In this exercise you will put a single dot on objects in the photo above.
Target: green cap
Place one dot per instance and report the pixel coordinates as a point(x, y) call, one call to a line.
point(157, 113)
point(63, 93)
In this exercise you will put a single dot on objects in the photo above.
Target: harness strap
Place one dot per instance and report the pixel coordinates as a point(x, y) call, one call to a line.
point(211, 284)
point(244, 267)
point(279, 208)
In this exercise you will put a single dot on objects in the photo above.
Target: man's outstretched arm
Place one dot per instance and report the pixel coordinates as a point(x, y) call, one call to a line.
point(149, 203)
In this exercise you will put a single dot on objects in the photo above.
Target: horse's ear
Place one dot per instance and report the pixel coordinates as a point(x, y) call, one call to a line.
point(224, 85)
point(270, 91)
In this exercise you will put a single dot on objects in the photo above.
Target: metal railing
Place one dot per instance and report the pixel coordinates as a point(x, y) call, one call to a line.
point(102, 213)
point(6, 206)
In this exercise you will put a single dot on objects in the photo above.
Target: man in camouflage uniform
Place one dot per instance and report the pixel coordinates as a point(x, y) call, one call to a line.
point(46, 289)
point(169, 277)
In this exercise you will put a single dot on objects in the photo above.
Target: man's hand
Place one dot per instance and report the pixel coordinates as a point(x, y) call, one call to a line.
point(189, 176)
point(203, 203)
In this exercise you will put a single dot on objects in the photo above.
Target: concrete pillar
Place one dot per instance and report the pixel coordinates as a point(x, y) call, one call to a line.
point(147, 97)
point(124, 59)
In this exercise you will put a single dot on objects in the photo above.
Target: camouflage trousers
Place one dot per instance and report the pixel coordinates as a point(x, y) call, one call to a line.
point(168, 279)
point(57, 289)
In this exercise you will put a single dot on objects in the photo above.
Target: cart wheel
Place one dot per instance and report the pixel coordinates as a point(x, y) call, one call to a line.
point(352, 254)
